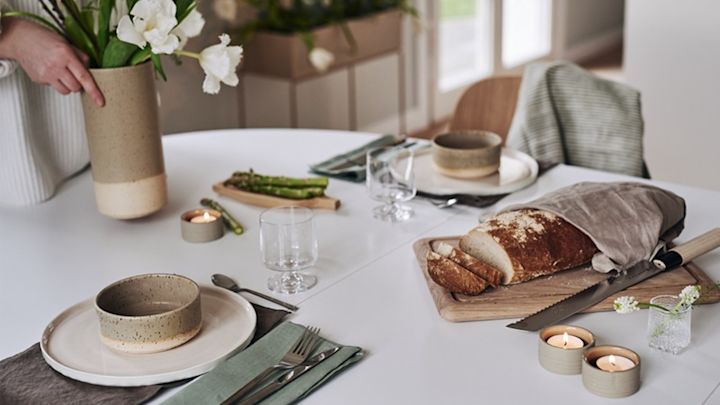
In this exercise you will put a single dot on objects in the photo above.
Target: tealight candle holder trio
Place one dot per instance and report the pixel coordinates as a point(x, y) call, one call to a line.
point(608, 371)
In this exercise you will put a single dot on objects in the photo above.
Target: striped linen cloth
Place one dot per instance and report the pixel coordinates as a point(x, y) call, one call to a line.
point(567, 115)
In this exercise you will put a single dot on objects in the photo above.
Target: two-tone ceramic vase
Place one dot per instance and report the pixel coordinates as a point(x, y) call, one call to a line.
point(125, 146)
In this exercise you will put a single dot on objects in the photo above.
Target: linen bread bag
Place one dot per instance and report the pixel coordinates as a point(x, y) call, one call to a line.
point(612, 225)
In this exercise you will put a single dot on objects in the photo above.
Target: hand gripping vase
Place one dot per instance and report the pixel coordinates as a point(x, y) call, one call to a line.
point(125, 146)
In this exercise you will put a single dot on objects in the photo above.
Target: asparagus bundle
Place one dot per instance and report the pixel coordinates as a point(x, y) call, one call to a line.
point(230, 222)
point(279, 186)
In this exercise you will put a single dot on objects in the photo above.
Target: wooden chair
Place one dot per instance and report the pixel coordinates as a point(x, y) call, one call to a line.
point(488, 104)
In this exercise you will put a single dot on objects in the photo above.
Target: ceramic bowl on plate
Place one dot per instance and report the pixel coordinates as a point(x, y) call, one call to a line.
point(467, 154)
point(149, 313)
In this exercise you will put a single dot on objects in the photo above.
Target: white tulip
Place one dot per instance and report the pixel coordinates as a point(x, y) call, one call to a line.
point(219, 63)
point(190, 27)
point(321, 59)
point(152, 22)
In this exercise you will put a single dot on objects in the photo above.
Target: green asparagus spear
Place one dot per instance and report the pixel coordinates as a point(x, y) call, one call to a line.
point(278, 181)
point(230, 222)
point(286, 192)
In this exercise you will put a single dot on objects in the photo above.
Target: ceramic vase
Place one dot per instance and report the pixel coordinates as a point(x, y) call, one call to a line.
point(125, 146)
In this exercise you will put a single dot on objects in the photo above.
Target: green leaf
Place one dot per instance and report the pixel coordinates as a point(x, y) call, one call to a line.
point(117, 53)
point(158, 65)
point(106, 7)
point(80, 39)
point(183, 8)
point(131, 4)
point(88, 20)
point(140, 56)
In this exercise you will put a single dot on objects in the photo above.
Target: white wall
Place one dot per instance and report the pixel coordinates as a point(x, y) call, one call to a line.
point(672, 55)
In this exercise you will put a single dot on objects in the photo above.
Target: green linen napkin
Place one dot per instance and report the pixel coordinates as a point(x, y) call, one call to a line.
point(220, 383)
point(351, 165)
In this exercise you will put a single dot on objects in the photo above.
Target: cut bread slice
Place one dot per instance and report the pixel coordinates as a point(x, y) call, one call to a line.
point(453, 276)
point(490, 274)
point(527, 243)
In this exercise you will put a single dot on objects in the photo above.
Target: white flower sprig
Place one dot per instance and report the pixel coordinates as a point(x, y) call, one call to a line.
point(687, 297)
point(626, 305)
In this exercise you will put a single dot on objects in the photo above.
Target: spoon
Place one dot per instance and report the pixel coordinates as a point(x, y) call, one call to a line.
point(445, 204)
point(226, 282)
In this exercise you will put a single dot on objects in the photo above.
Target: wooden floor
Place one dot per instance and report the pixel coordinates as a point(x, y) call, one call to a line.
point(607, 65)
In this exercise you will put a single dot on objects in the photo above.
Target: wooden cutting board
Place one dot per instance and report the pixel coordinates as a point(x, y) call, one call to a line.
point(268, 201)
point(521, 300)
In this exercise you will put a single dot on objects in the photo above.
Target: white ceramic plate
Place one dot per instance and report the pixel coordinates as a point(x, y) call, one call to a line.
point(517, 171)
point(71, 344)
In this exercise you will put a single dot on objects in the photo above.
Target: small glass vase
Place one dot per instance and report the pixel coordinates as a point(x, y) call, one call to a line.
point(669, 331)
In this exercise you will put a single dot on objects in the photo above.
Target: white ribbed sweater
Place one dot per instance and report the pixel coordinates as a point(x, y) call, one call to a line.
point(42, 133)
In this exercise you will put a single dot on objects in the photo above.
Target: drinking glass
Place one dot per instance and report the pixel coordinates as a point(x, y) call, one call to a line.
point(669, 331)
point(390, 179)
point(288, 244)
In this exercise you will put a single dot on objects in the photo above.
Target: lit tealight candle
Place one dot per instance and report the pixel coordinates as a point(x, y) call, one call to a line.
point(613, 363)
point(566, 341)
point(205, 218)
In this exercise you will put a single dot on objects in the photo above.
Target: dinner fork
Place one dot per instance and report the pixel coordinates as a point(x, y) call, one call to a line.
point(300, 351)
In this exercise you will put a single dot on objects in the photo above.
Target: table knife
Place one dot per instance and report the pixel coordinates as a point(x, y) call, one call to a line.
point(288, 377)
point(614, 283)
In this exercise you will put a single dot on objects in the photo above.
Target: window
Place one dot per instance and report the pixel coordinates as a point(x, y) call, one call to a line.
point(526, 31)
point(465, 42)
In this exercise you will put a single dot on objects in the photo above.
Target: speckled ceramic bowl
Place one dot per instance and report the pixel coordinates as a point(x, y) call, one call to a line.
point(467, 154)
point(149, 313)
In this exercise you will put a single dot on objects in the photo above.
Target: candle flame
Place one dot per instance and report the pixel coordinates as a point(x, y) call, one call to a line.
point(206, 216)
point(565, 339)
point(611, 359)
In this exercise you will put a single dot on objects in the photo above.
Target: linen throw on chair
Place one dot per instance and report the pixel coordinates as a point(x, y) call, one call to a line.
point(567, 115)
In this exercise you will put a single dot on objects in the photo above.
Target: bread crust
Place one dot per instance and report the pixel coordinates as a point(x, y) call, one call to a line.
point(536, 243)
point(453, 276)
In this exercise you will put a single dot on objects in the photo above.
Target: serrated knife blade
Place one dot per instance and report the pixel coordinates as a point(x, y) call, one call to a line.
point(594, 294)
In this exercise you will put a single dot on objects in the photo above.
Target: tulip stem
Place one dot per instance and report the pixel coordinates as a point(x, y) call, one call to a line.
point(189, 54)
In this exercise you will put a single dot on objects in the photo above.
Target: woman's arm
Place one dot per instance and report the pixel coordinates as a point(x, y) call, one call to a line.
point(47, 58)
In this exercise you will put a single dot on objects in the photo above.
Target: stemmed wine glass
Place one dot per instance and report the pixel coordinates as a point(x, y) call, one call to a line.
point(390, 179)
point(288, 244)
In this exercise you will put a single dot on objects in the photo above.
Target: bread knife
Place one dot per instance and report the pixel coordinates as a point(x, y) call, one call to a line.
point(288, 377)
point(664, 261)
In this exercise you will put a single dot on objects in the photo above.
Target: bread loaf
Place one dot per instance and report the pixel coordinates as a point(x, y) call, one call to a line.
point(452, 276)
point(527, 243)
point(488, 273)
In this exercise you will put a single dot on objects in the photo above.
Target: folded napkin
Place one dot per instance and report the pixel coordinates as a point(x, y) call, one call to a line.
point(628, 222)
point(220, 383)
point(351, 165)
point(482, 201)
point(26, 379)
point(567, 115)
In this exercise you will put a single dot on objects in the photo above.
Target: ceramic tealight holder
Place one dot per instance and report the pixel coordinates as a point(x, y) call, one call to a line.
point(201, 225)
point(612, 377)
point(561, 348)
point(149, 313)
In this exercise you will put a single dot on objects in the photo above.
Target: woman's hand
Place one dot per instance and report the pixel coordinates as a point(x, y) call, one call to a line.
point(47, 58)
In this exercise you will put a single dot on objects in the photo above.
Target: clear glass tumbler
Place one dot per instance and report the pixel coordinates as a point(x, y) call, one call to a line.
point(390, 178)
point(288, 245)
point(669, 331)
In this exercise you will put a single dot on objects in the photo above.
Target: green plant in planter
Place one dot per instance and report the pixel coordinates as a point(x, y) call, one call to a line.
point(116, 33)
point(301, 17)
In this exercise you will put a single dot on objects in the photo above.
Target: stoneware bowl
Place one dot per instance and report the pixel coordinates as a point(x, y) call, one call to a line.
point(149, 313)
point(467, 154)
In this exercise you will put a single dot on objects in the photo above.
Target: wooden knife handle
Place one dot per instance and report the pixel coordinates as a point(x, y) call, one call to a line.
point(686, 252)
